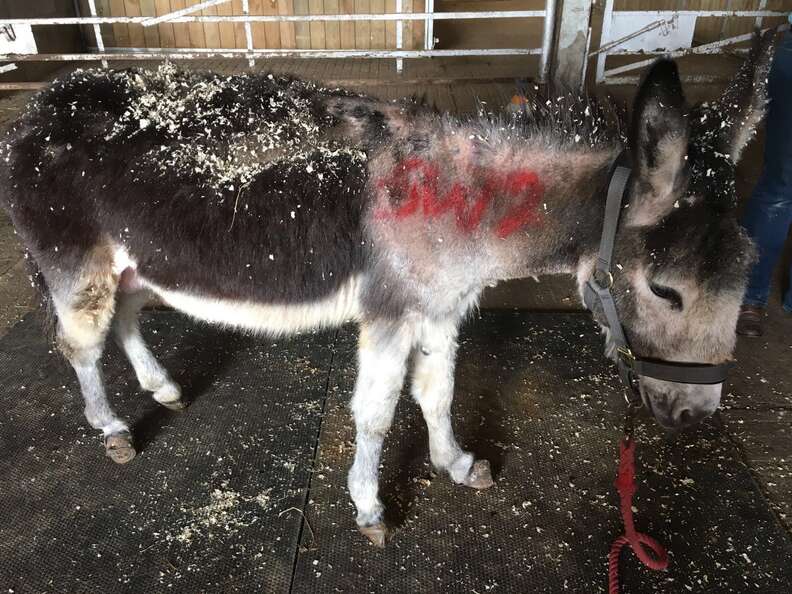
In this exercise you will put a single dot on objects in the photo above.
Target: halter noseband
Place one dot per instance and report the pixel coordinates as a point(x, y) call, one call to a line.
point(598, 288)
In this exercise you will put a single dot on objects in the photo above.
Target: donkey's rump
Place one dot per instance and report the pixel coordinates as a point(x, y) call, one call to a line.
point(227, 186)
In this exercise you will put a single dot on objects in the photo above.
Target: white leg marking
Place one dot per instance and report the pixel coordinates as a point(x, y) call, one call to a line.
point(382, 361)
point(433, 389)
point(82, 343)
point(150, 374)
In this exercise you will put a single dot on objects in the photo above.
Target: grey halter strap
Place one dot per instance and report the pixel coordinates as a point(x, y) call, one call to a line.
point(598, 289)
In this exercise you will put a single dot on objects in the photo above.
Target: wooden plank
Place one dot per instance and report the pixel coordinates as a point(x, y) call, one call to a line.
point(259, 31)
point(390, 26)
point(287, 35)
point(211, 30)
point(362, 28)
point(227, 33)
point(136, 36)
point(103, 9)
point(165, 29)
point(302, 31)
point(418, 27)
point(332, 28)
point(181, 32)
point(120, 30)
point(377, 27)
point(151, 37)
point(271, 30)
point(347, 28)
point(195, 30)
point(317, 28)
point(239, 28)
point(407, 6)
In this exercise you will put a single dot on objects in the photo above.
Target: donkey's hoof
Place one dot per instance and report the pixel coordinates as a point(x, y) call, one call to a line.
point(480, 475)
point(376, 533)
point(169, 396)
point(176, 405)
point(119, 448)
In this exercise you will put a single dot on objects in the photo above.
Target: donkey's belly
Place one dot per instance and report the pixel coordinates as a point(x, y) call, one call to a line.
point(275, 319)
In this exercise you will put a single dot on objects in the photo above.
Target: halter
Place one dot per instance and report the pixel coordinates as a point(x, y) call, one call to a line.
point(598, 288)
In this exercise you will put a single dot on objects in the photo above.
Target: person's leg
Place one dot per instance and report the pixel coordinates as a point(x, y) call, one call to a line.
point(768, 214)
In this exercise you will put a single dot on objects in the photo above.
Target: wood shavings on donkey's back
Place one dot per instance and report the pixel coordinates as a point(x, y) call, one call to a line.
point(269, 204)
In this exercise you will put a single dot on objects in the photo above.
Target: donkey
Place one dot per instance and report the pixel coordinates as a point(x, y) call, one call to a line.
point(270, 204)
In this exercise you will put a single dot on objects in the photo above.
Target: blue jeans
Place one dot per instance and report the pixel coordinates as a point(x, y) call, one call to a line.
point(768, 214)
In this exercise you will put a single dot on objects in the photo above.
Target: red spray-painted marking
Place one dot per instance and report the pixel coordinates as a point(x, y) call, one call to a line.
point(415, 181)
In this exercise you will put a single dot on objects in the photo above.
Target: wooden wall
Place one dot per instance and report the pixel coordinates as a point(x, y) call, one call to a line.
point(382, 35)
point(315, 35)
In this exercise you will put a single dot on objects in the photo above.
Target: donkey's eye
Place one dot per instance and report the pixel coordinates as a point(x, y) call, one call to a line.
point(667, 293)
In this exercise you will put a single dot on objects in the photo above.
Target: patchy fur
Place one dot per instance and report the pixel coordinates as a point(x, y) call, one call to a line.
point(273, 205)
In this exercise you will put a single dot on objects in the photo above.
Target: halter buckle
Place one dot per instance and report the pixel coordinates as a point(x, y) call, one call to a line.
point(603, 278)
point(626, 354)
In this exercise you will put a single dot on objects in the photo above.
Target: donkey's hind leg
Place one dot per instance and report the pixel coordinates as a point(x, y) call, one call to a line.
point(84, 306)
point(382, 360)
point(433, 388)
point(150, 374)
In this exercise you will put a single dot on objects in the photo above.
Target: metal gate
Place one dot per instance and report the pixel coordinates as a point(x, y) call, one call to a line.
point(663, 33)
point(17, 43)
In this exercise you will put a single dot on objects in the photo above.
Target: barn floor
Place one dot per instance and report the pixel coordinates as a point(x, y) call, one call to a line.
point(255, 504)
point(245, 491)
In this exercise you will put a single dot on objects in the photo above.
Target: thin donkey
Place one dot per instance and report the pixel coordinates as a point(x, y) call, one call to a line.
point(273, 205)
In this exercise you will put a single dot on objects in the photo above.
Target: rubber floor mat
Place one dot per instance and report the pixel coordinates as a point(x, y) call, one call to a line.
point(213, 501)
point(535, 396)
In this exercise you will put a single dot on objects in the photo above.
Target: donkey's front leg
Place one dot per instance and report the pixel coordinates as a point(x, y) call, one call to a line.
point(433, 389)
point(382, 359)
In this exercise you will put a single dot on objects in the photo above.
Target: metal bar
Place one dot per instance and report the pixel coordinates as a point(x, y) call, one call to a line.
point(22, 86)
point(708, 48)
point(399, 35)
point(585, 62)
point(165, 18)
point(413, 16)
point(607, 21)
point(608, 46)
point(248, 31)
point(685, 78)
point(169, 54)
point(97, 30)
point(429, 26)
point(706, 13)
point(758, 21)
point(548, 31)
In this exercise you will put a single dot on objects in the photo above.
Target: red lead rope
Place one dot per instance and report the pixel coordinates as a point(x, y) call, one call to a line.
point(638, 541)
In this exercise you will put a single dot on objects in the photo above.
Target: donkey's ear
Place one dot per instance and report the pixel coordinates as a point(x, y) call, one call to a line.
point(743, 104)
point(659, 141)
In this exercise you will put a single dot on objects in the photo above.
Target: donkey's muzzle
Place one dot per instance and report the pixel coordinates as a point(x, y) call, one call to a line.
point(676, 406)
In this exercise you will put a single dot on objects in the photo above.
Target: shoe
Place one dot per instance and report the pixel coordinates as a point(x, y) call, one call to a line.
point(750, 321)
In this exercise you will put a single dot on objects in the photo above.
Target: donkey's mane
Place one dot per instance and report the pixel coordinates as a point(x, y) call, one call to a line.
point(560, 120)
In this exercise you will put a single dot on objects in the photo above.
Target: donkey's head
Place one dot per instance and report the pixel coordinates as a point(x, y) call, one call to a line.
point(681, 259)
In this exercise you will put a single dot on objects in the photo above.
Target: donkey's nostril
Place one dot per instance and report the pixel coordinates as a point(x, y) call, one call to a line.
point(688, 417)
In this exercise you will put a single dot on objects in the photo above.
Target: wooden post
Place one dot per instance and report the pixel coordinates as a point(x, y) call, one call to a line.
point(571, 49)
